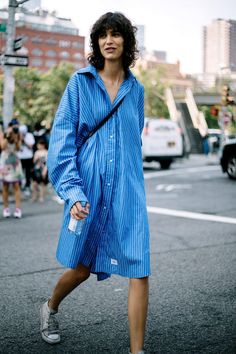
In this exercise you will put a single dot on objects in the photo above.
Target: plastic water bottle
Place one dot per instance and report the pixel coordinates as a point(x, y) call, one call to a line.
point(76, 226)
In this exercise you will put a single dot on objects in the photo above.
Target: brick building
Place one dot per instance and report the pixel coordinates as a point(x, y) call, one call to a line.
point(46, 39)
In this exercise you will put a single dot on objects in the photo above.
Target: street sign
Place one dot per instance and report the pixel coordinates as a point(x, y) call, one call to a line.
point(18, 43)
point(15, 60)
point(3, 27)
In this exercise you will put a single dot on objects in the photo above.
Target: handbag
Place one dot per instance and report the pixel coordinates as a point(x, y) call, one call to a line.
point(108, 116)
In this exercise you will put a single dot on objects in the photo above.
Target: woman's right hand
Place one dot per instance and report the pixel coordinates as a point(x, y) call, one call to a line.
point(79, 212)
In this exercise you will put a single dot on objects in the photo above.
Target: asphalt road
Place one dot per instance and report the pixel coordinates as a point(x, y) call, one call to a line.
point(192, 214)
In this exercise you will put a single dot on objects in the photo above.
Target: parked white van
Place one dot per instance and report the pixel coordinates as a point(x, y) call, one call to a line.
point(162, 141)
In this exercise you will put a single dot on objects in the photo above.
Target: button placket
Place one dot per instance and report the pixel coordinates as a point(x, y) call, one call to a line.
point(108, 182)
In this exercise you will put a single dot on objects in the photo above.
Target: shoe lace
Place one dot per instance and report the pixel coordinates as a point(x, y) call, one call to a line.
point(53, 326)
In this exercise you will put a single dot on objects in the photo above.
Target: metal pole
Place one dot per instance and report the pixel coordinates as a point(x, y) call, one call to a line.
point(9, 81)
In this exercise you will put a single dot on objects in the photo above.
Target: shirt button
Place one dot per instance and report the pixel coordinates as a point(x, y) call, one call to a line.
point(111, 136)
point(111, 160)
point(108, 184)
point(104, 207)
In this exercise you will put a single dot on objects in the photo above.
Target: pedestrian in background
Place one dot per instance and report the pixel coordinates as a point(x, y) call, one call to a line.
point(10, 168)
point(39, 133)
point(104, 170)
point(26, 156)
point(40, 172)
point(205, 144)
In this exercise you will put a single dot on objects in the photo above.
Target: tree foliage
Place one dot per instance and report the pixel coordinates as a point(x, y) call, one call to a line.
point(154, 92)
point(38, 94)
point(212, 122)
point(52, 86)
point(27, 86)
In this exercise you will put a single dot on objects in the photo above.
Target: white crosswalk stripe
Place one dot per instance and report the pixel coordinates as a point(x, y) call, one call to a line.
point(191, 215)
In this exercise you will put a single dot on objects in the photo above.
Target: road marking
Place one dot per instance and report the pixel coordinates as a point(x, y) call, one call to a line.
point(191, 215)
point(180, 171)
point(171, 187)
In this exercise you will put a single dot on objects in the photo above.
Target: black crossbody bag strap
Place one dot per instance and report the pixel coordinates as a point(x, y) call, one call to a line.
point(105, 119)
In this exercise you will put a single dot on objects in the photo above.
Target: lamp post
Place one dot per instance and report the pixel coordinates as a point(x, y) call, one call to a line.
point(9, 82)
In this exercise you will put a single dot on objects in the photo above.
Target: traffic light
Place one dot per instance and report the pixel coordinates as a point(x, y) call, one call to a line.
point(214, 111)
point(230, 100)
point(226, 98)
point(225, 95)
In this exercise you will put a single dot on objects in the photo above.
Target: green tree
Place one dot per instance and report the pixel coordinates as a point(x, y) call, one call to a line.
point(52, 86)
point(152, 79)
point(38, 94)
point(27, 86)
point(212, 121)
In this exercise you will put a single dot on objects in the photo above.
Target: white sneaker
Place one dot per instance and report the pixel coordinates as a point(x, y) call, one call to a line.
point(49, 325)
point(17, 213)
point(6, 213)
point(27, 192)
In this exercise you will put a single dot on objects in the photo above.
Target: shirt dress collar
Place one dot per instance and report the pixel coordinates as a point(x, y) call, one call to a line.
point(124, 88)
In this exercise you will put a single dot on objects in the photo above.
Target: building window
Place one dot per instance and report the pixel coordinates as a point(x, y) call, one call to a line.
point(37, 52)
point(77, 45)
point(23, 51)
point(64, 44)
point(64, 54)
point(77, 55)
point(51, 41)
point(51, 53)
point(36, 62)
point(50, 63)
point(37, 40)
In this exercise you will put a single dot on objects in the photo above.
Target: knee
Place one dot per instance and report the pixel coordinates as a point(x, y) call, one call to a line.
point(5, 187)
point(16, 187)
point(81, 273)
point(139, 282)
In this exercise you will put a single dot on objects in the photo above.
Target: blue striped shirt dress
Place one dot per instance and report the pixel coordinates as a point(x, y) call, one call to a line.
point(105, 170)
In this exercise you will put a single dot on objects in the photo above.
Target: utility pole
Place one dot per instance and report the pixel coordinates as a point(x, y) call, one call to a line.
point(9, 82)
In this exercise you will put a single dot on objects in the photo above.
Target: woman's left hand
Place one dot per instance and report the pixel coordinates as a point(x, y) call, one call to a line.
point(78, 212)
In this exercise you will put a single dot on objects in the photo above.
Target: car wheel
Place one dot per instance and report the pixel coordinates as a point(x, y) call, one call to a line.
point(231, 167)
point(165, 164)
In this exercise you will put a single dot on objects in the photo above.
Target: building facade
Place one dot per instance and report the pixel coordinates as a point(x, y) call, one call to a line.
point(170, 74)
point(47, 39)
point(219, 47)
point(140, 36)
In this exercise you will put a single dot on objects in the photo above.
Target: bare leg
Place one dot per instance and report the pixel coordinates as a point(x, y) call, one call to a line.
point(137, 312)
point(68, 282)
point(17, 193)
point(5, 194)
point(34, 191)
point(42, 191)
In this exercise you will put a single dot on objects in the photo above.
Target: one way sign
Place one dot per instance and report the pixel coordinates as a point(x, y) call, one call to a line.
point(14, 60)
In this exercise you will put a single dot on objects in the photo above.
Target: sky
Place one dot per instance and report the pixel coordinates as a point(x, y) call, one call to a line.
point(174, 26)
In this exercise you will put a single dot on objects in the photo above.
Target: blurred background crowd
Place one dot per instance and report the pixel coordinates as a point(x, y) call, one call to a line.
point(23, 169)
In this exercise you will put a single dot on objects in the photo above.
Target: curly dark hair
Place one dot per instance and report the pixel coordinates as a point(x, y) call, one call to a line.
point(117, 22)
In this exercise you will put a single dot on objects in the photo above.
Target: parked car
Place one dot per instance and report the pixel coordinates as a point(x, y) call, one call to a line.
point(228, 157)
point(162, 141)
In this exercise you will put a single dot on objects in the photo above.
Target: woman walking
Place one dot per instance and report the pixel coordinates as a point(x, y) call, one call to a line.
point(97, 170)
point(10, 168)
